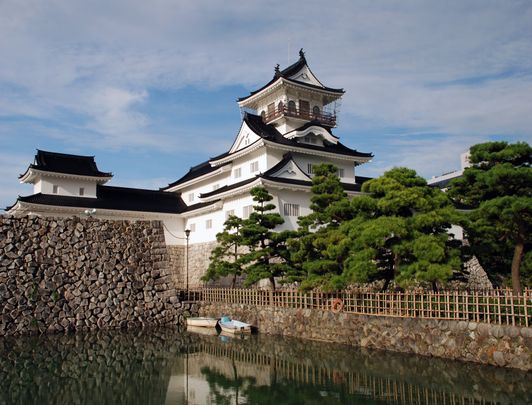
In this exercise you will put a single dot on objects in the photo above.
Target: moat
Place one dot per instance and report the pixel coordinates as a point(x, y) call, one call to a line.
point(163, 366)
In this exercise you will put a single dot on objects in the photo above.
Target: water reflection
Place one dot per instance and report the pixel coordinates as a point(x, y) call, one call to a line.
point(168, 367)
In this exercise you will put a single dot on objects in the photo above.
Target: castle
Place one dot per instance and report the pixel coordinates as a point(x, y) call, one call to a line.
point(287, 129)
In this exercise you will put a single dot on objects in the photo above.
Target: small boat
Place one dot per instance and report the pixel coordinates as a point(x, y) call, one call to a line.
point(233, 327)
point(202, 322)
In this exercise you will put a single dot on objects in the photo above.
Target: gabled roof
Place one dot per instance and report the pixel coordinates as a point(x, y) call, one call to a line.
point(66, 164)
point(269, 132)
point(287, 73)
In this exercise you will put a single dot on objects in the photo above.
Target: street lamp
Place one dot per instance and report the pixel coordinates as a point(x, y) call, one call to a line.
point(187, 234)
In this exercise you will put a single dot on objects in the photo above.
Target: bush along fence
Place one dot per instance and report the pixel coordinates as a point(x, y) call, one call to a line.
point(499, 306)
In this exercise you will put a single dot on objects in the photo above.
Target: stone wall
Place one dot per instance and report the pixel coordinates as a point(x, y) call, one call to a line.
point(508, 346)
point(198, 256)
point(77, 274)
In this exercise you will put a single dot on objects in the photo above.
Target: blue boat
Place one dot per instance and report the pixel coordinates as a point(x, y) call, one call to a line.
point(234, 327)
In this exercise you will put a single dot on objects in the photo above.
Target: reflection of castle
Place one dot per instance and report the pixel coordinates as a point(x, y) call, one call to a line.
point(242, 371)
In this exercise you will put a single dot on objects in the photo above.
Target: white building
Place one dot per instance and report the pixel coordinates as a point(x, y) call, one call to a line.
point(286, 130)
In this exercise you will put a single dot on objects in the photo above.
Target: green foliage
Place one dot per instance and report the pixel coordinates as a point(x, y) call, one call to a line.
point(267, 255)
point(318, 251)
point(397, 231)
point(224, 259)
point(250, 246)
point(498, 188)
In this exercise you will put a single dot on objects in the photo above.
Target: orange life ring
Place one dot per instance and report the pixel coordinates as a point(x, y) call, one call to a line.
point(337, 305)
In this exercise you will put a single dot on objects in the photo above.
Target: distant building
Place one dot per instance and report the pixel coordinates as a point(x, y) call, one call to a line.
point(443, 180)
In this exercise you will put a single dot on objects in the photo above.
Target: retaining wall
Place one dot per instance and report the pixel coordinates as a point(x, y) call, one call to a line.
point(507, 346)
point(59, 274)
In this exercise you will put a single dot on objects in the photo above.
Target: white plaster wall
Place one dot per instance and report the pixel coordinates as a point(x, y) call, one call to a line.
point(293, 197)
point(303, 160)
point(244, 163)
point(68, 187)
point(174, 230)
point(202, 234)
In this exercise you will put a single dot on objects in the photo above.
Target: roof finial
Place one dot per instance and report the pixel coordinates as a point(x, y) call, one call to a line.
point(277, 71)
point(301, 54)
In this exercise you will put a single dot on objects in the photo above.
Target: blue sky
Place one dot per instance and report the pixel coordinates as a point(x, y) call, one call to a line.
point(149, 87)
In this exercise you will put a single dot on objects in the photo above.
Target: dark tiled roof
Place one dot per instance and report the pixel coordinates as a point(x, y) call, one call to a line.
point(227, 188)
point(116, 198)
point(67, 164)
point(269, 132)
point(286, 73)
point(346, 186)
point(195, 171)
point(314, 123)
point(362, 179)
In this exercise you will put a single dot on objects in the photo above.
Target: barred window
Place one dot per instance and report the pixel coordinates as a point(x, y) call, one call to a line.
point(237, 173)
point(215, 187)
point(254, 167)
point(291, 210)
point(82, 191)
point(192, 227)
point(310, 168)
point(208, 224)
point(340, 172)
point(248, 209)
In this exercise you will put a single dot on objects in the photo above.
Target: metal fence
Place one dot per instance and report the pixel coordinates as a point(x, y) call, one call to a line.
point(498, 306)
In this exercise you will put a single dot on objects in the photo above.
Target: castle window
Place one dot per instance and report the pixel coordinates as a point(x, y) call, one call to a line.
point(208, 224)
point(310, 168)
point(228, 213)
point(247, 210)
point(191, 197)
point(81, 191)
point(271, 110)
point(340, 172)
point(316, 111)
point(254, 167)
point(55, 189)
point(280, 107)
point(215, 186)
point(263, 115)
point(292, 107)
point(304, 108)
point(192, 227)
point(291, 210)
point(237, 173)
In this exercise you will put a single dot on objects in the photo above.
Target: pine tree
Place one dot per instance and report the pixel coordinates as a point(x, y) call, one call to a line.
point(267, 255)
point(498, 187)
point(400, 232)
point(224, 259)
point(317, 251)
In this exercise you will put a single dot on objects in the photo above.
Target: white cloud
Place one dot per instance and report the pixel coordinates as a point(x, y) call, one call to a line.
point(462, 69)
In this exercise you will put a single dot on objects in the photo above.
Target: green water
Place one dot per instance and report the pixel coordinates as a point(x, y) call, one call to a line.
point(169, 367)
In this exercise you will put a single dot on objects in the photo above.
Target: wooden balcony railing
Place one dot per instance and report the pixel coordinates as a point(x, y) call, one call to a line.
point(323, 118)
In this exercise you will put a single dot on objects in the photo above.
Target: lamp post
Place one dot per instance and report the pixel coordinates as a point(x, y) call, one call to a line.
point(187, 234)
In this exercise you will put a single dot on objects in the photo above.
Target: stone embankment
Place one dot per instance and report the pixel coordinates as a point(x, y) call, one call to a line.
point(79, 274)
point(507, 346)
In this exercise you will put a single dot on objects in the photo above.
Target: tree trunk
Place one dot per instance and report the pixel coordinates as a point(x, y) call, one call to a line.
point(516, 265)
point(272, 281)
